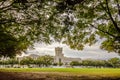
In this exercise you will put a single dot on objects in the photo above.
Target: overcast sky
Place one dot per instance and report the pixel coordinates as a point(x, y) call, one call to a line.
point(89, 51)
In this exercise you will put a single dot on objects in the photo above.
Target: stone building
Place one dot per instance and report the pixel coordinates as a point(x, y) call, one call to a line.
point(59, 57)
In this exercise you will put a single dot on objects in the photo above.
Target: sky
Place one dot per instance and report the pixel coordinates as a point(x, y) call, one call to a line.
point(89, 52)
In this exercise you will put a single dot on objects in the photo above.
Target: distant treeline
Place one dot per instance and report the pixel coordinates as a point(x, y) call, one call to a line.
point(28, 61)
point(113, 62)
point(47, 60)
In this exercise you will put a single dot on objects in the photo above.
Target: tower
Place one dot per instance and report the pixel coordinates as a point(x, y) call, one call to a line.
point(58, 55)
point(58, 51)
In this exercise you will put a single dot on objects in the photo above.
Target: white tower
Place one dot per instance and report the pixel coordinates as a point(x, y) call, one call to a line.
point(58, 55)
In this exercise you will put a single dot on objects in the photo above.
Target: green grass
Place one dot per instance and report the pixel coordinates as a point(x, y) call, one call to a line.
point(75, 71)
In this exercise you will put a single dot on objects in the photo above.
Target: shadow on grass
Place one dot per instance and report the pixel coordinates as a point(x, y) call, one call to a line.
point(48, 76)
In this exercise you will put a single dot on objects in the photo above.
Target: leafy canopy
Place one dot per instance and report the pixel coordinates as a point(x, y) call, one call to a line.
point(73, 22)
point(23, 22)
point(89, 21)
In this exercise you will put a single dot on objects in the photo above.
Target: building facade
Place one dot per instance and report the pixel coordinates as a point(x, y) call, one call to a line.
point(59, 57)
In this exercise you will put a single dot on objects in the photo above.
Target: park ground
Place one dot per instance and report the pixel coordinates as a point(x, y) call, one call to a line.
point(59, 74)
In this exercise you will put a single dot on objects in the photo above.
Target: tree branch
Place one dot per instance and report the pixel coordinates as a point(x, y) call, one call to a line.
point(118, 6)
point(103, 31)
point(110, 15)
point(117, 38)
point(107, 10)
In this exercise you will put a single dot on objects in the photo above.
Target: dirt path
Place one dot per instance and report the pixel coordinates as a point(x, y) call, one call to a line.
point(48, 76)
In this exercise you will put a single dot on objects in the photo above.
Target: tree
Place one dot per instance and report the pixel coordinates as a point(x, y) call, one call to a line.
point(55, 64)
point(88, 21)
point(12, 61)
point(115, 62)
point(60, 63)
point(46, 60)
point(75, 63)
point(27, 61)
point(23, 22)
point(88, 63)
point(98, 63)
point(73, 22)
point(39, 61)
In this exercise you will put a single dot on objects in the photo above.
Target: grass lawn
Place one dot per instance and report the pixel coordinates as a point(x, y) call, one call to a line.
point(110, 72)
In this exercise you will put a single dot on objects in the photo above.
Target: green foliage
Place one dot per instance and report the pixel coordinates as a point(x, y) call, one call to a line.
point(93, 20)
point(24, 22)
point(13, 61)
point(8, 44)
point(87, 63)
point(115, 62)
point(27, 61)
point(73, 22)
point(39, 61)
point(55, 64)
point(44, 60)
point(108, 45)
point(75, 63)
point(60, 63)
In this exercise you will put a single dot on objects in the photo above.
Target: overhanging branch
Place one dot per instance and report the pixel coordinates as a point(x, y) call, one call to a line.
point(103, 31)
point(117, 38)
point(118, 6)
point(110, 15)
